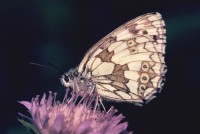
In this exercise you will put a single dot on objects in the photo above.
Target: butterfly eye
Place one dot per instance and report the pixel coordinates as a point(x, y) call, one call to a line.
point(66, 78)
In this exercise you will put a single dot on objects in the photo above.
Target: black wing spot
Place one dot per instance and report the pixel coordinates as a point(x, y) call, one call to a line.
point(155, 38)
point(144, 78)
point(145, 32)
point(144, 66)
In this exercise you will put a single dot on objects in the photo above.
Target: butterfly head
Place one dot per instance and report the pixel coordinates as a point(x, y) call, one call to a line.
point(65, 80)
point(75, 80)
point(68, 78)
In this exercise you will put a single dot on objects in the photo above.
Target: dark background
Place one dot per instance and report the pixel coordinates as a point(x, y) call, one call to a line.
point(62, 31)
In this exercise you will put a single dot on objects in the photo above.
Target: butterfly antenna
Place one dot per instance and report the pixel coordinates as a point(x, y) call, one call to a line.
point(36, 64)
point(49, 65)
point(55, 67)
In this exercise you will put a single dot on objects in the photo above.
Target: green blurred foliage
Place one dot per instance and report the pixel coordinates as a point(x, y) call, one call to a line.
point(17, 130)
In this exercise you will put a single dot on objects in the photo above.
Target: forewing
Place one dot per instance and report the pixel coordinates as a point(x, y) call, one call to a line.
point(128, 64)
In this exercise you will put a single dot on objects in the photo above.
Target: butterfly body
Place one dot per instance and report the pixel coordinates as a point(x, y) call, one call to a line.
point(127, 64)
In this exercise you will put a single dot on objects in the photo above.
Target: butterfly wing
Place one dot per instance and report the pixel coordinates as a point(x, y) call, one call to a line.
point(128, 64)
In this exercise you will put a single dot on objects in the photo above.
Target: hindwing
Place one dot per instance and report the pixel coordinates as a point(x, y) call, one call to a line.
point(128, 64)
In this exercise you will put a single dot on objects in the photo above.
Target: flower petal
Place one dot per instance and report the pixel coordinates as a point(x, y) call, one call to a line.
point(43, 100)
point(26, 104)
point(58, 124)
point(84, 127)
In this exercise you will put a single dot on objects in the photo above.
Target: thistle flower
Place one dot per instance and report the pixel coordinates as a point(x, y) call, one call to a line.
point(72, 116)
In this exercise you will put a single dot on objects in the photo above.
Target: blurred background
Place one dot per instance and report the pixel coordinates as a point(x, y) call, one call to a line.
point(62, 31)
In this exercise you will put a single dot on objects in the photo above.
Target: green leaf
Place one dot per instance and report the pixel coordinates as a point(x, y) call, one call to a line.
point(29, 126)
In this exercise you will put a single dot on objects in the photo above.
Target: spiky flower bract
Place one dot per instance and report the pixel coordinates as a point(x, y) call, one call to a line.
point(72, 116)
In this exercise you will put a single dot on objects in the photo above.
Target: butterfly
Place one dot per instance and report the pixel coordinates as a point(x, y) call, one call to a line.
point(127, 65)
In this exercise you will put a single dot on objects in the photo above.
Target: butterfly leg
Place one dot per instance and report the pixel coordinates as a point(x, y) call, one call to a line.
point(77, 87)
point(66, 94)
point(83, 97)
point(96, 103)
point(92, 90)
point(100, 100)
point(73, 92)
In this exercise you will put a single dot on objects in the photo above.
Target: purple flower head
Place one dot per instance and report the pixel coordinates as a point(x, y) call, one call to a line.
point(73, 116)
